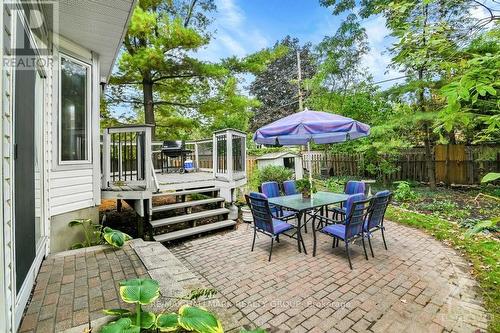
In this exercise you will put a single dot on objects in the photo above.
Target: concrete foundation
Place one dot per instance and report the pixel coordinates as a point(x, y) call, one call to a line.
point(62, 236)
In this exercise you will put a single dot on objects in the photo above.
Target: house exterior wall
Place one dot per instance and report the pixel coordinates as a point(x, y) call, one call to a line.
point(73, 187)
point(67, 192)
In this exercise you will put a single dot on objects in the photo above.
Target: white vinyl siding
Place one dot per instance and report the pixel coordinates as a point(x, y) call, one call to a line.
point(72, 186)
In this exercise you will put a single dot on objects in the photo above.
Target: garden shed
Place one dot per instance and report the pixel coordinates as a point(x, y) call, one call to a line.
point(285, 159)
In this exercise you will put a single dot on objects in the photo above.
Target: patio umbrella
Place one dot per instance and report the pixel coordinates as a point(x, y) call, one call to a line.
point(308, 126)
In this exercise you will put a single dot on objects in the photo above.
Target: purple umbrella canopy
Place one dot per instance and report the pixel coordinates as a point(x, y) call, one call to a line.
point(308, 126)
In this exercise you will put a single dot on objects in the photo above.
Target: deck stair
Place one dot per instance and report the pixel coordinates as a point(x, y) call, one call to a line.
point(184, 213)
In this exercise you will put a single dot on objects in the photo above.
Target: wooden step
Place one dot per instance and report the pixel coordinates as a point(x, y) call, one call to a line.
point(186, 204)
point(194, 231)
point(189, 217)
point(186, 192)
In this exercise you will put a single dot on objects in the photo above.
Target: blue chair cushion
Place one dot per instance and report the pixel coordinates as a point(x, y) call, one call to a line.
point(280, 226)
point(337, 230)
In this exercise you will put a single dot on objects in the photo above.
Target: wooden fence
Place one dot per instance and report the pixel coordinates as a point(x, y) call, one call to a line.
point(454, 164)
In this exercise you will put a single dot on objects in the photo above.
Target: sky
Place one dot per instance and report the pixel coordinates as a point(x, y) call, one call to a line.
point(246, 26)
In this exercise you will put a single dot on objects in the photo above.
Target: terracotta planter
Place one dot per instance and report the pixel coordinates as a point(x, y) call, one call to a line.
point(306, 195)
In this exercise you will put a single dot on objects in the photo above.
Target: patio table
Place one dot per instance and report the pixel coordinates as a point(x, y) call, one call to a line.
point(302, 205)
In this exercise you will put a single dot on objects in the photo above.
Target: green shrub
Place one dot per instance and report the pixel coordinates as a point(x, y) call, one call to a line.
point(404, 192)
point(336, 184)
point(270, 173)
point(96, 234)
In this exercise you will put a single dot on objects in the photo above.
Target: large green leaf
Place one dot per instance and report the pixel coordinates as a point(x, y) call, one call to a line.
point(167, 322)
point(114, 237)
point(122, 325)
point(489, 177)
point(143, 291)
point(116, 312)
point(199, 320)
point(147, 319)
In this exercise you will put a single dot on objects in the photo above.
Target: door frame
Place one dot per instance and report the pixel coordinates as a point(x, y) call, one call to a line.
point(20, 299)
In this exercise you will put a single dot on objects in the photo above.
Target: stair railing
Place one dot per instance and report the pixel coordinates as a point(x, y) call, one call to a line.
point(127, 157)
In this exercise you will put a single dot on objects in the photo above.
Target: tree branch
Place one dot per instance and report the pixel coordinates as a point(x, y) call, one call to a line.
point(189, 13)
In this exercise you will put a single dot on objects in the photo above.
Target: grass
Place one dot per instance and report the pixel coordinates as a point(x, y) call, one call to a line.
point(483, 252)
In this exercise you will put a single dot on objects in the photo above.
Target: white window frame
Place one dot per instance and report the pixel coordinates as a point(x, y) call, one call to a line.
point(88, 118)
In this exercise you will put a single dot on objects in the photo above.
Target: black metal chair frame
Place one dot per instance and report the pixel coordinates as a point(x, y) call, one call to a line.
point(269, 219)
point(382, 216)
point(359, 215)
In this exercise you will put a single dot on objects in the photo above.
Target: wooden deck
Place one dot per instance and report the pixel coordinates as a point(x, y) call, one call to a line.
point(184, 178)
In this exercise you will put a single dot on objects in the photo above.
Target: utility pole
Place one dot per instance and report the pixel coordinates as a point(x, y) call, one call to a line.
point(299, 76)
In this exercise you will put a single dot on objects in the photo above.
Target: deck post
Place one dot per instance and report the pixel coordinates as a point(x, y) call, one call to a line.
point(229, 147)
point(196, 159)
point(215, 162)
point(106, 158)
point(148, 160)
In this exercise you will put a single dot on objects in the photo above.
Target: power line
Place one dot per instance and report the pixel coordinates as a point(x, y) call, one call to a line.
point(393, 79)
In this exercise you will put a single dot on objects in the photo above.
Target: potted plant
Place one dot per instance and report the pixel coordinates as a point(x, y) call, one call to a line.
point(304, 187)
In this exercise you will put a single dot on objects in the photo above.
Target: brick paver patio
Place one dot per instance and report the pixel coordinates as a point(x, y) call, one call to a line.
point(73, 288)
point(418, 285)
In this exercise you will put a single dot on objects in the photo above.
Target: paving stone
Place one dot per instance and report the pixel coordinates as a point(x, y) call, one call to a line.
point(400, 287)
point(417, 285)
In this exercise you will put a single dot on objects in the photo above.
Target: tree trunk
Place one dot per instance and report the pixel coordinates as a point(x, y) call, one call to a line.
point(429, 154)
point(429, 157)
point(149, 115)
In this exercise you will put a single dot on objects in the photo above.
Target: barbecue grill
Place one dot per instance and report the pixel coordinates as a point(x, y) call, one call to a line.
point(173, 149)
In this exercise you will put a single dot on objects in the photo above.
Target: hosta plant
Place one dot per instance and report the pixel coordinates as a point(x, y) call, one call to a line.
point(96, 234)
point(145, 291)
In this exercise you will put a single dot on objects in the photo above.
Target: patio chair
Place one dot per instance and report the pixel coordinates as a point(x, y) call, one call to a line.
point(375, 220)
point(290, 187)
point(272, 190)
point(357, 209)
point(264, 222)
point(351, 187)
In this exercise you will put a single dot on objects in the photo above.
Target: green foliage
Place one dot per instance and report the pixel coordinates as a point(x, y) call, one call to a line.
point(91, 231)
point(490, 177)
point(167, 322)
point(95, 234)
point(305, 187)
point(196, 294)
point(115, 238)
point(146, 291)
point(139, 291)
point(336, 184)
point(122, 325)
point(197, 319)
point(185, 97)
point(483, 252)
point(276, 86)
point(492, 225)
point(404, 192)
point(270, 173)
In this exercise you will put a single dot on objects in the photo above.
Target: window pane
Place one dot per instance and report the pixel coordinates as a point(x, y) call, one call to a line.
point(73, 111)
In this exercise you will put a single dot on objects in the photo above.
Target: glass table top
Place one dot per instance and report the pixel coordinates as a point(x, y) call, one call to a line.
point(298, 203)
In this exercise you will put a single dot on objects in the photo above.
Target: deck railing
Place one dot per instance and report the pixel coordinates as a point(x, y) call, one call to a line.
point(129, 156)
point(126, 156)
point(230, 154)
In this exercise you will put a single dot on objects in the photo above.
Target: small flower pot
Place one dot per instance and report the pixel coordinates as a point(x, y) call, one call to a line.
point(306, 195)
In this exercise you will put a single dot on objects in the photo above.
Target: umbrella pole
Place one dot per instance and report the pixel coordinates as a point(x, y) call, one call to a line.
point(310, 163)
